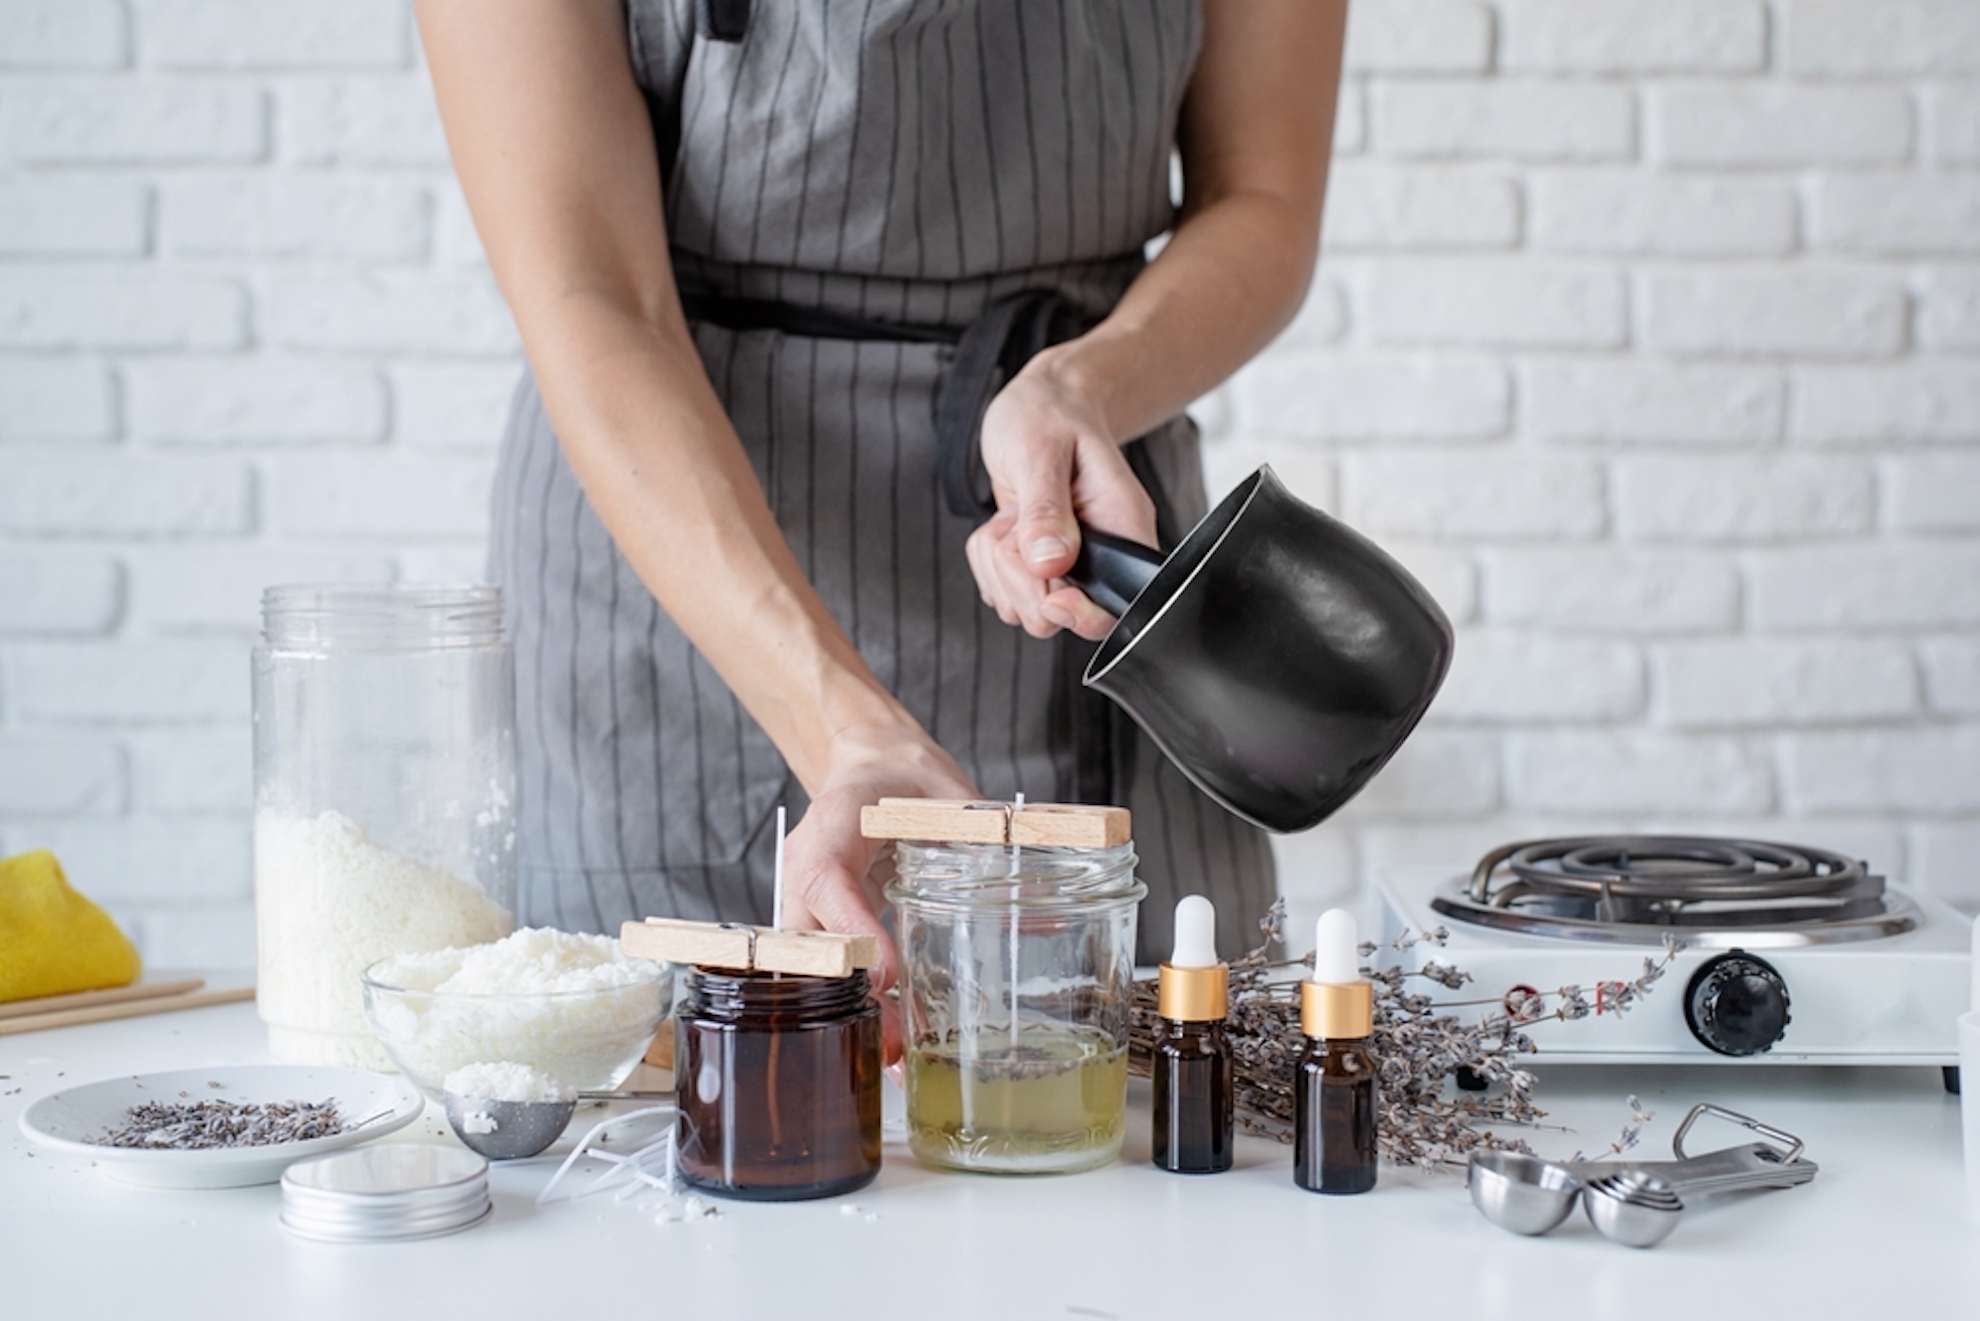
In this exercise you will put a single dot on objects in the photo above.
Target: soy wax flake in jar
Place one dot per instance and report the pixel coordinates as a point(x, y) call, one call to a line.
point(1017, 975)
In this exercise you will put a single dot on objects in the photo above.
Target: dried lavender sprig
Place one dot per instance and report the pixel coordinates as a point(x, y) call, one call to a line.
point(1631, 1132)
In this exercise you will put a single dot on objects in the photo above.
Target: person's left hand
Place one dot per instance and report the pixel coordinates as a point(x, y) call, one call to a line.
point(1054, 464)
point(830, 877)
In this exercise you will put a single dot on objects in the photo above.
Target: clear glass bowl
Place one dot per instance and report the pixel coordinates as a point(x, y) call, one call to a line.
point(587, 1040)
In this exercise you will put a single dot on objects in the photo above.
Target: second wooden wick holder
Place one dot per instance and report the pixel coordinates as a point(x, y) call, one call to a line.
point(740, 948)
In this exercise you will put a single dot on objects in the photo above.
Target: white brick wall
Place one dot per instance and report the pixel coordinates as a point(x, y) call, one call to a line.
point(1697, 441)
point(1647, 333)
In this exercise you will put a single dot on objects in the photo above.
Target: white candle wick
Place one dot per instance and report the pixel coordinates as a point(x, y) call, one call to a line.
point(777, 877)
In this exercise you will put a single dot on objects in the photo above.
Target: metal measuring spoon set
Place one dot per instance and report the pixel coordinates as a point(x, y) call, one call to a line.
point(1634, 1202)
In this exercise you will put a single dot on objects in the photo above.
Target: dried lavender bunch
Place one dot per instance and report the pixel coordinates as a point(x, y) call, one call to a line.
point(1417, 1042)
point(204, 1125)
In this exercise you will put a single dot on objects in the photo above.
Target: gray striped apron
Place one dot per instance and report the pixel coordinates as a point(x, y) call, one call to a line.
point(894, 162)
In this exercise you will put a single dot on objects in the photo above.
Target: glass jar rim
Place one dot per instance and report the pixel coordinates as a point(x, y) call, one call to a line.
point(722, 992)
point(380, 616)
point(966, 878)
point(371, 977)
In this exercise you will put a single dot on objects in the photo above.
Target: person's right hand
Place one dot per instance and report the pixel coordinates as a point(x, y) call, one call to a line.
point(1053, 464)
point(829, 875)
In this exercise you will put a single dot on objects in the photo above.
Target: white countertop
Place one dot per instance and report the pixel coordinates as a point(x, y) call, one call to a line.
point(1882, 1232)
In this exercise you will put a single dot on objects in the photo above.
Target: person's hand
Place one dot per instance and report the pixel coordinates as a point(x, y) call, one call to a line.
point(1053, 464)
point(830, 880)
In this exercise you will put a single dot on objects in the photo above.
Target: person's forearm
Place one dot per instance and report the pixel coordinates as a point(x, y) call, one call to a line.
point(1230, 279)
point(554, 149)
point(1256, 134)
point(654, 451)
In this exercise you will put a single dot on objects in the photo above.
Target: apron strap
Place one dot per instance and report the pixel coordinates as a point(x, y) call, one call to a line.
point(992, 350)
point(725, 20)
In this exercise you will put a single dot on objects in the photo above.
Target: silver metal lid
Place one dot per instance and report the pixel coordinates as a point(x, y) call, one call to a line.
point(388, 1191)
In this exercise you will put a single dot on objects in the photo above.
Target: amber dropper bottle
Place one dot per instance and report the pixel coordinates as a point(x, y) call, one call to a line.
point(1193, 1073)
point(1334, 1094)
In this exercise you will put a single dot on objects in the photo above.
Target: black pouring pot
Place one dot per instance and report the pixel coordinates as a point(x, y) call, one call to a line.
point(1278, 656)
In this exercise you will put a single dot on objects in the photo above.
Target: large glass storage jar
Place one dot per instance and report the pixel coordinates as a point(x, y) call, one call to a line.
point(777, 1080)
point(384, 822)
point(1017, 975)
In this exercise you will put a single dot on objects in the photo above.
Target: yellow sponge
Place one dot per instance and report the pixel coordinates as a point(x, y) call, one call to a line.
point(52, 940)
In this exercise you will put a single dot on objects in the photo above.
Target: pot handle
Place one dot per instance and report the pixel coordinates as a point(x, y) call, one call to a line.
point(1112, 570)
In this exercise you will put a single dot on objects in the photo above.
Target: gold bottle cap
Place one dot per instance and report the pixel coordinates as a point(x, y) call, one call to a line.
point(1337, 1011)
point(1194, 995)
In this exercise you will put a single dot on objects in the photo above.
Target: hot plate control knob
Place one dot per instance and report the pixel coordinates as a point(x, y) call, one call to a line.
point(1737, 1004)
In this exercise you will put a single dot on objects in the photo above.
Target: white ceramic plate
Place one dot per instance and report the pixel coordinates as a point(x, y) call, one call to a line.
point(74, 1120)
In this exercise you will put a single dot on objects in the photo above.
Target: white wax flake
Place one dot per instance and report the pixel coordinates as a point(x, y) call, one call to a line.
point(501, 1080)
point(535, 960)
point(678, 1209)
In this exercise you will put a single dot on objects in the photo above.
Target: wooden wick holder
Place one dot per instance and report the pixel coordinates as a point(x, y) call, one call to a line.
point(1042, 825)
point(741, 948)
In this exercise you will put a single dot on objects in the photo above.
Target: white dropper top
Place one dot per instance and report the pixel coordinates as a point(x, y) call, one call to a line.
point(1336, 948)
point(1196, 934)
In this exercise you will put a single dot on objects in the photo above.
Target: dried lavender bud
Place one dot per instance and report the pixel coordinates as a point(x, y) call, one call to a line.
point(206, 1125)
point(1444, 975)
point(1523, 1005)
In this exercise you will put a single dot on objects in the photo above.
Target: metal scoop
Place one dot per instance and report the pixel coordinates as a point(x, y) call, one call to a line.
point(507, 1130)
point(515, 1130)
point(1639, 1202)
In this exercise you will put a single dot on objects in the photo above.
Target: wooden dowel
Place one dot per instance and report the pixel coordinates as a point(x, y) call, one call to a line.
point(123, 1009)
point(49, 1004)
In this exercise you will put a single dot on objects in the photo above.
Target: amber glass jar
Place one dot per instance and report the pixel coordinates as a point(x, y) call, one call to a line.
point(778, 1083)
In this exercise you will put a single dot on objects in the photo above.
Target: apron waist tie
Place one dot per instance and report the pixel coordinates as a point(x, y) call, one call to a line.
point(988, 353)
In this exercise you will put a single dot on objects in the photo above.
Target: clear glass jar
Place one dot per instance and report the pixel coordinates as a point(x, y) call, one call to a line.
point(777, 1079)
point(1017, 976)
point(384, 770)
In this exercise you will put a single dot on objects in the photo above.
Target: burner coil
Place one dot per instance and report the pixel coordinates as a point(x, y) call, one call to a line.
point(1637, 887)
